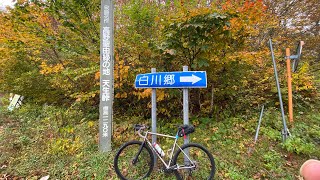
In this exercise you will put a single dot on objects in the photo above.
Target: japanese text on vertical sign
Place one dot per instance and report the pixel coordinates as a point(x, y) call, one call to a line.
point(106, 14)
point(106, 55)
point(105, 116)
point(106, 70)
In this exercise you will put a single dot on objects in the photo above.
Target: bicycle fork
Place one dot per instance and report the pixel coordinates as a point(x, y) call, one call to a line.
point(135, 160)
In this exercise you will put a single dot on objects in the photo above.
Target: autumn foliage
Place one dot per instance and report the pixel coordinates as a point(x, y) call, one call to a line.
point(50, 53)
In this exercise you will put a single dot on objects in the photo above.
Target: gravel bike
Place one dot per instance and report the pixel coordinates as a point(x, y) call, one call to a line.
point(135, 159)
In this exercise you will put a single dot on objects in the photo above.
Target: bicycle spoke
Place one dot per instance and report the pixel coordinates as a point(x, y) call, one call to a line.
point(200, 167)
point(125, 162)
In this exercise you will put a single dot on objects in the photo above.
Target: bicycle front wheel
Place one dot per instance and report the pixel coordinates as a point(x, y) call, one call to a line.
point(194, 162)
point(127, 168)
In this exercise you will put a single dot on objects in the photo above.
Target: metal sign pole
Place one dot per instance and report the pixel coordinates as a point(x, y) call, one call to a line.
point(186, 106)
point(257, 132)
point(106, 75)
point(186, 115)
point(285, 132)
point(154, 110)
point(258, 127)
point(154, 114)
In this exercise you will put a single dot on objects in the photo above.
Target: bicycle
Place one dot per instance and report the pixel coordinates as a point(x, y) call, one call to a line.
point(135, 159)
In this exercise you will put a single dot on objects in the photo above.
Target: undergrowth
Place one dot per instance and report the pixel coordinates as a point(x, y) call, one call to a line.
point(63, 143)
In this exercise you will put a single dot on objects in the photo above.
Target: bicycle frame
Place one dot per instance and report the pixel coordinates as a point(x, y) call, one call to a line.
point(174, 167)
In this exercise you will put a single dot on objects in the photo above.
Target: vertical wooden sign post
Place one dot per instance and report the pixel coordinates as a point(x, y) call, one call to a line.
point(296, 59)
point(106, 75)
point(290, 106)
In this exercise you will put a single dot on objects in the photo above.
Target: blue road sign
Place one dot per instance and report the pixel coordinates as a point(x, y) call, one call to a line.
point(183, 79)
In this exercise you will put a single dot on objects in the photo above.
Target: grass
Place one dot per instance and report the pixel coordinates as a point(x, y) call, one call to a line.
point(40, 141)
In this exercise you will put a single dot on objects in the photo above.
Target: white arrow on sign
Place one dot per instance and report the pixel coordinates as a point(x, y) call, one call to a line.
point(192, 79)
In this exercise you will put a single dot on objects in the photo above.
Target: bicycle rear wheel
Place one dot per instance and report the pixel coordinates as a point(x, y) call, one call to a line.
point(124, 161)
point(202, 165)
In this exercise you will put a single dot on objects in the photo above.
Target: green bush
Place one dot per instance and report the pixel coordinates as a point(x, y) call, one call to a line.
point(305, 135)
point(300, 146)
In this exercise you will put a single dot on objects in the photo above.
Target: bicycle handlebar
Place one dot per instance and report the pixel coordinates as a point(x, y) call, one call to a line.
point(139, 128)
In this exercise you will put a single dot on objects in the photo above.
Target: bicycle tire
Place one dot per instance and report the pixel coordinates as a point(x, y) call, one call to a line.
point(125, 169)
point(197, 153)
